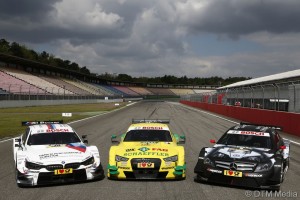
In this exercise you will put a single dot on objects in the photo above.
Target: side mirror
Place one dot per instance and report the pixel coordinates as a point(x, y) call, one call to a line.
point(212, 141)
point(84, 137)
point(18, 142)
point(114, 139)
point(181, 139)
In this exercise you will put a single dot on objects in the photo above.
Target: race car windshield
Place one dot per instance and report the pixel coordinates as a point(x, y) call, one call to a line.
point(246, 140)
point(148, 135)
point(53, 138)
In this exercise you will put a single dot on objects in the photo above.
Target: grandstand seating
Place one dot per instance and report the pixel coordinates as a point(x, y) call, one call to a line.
point(94, 89)
point(77, 87)
point(14, 85)
point(198, 91)
point(161, 91)
point(182, 91)
point(114, 90)
point(36, 81)
point(126, 90)
point(141, 91)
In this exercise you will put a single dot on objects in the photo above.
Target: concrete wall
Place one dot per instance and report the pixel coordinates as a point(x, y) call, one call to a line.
point(289, 122)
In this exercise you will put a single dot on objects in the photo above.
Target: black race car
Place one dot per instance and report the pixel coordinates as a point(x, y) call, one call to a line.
point(247, 155)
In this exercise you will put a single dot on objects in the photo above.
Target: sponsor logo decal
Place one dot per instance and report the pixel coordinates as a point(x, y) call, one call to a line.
point(62, 154)
point(77, 146)
point(146, 154)
point(232, 173)
point(127, 168)
point(63, 171)
point(147, 143)
point(214, 171)
point(152, 128)
point(159, 149)
point(249, 133)
point(56, 145)
point(253, 175)
point(56, 130)
point(144, 149)
point(49, 155)
point(145, 165)
point(128, 150)
point(164, 168)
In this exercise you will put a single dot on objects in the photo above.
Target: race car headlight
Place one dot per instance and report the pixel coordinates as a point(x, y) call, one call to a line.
point(253, 158)
point(120, 158)
point(171, 159)
point(209, 162)
point(31, 165)
point(89, 161)
point(263, 167)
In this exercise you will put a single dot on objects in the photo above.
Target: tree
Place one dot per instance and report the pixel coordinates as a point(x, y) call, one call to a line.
point(4, 46)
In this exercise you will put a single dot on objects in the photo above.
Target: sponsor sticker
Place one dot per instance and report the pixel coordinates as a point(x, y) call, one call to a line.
point(126, 168)
point(166, 168)
point(146, 154)
point(214, 171)
point(145, 165)
point(253, 175)
point(233, 173)
point(249, 133)
point(57, 130)
point(159, 149)
point(144, 149)
point(128, 150)
point(63, 171)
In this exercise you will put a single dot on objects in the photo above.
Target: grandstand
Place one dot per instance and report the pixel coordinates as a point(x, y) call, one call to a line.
point(26, 78)
point(12, 84)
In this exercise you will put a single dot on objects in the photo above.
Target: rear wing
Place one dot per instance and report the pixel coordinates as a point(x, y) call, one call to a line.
point(163, 121)
point(29, 123)
point(265, 125)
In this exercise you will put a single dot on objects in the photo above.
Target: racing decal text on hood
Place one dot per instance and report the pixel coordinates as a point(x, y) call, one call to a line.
point(148, 149)
point(46, 153)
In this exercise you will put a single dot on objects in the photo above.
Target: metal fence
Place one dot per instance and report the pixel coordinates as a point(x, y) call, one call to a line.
point(283, 96)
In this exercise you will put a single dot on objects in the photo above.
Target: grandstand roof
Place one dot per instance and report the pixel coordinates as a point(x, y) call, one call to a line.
point(265, 79)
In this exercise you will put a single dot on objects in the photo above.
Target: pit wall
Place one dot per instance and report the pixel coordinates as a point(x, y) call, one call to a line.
point(289, 122)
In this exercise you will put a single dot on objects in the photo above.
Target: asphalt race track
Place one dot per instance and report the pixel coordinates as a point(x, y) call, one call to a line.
point(198, 126)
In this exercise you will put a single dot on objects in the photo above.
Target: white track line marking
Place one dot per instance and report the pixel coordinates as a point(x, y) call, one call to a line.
point(195, 109)
point(2, 141)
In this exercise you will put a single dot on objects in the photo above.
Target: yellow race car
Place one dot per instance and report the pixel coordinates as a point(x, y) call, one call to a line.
point(147, 151)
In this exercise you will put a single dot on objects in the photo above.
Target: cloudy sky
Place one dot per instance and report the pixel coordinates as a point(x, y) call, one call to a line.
point(196, 38)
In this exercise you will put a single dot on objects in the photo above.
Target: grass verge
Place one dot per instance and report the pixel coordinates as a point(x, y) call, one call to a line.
point(11, 118)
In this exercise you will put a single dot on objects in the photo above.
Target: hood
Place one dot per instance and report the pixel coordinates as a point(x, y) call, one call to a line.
point(238, 153)
point(147, 149)
point(48, 154)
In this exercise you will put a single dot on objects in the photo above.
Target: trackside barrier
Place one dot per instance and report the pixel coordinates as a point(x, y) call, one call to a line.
point(290, 122)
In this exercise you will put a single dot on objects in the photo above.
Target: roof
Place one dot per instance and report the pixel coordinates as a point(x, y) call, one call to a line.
point(264, 79)
point(50, 128)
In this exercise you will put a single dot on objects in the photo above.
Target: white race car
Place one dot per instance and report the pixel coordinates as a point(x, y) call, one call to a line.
point(50, 152)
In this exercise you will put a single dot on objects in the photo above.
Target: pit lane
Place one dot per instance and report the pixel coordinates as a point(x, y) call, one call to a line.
point(199, 128)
